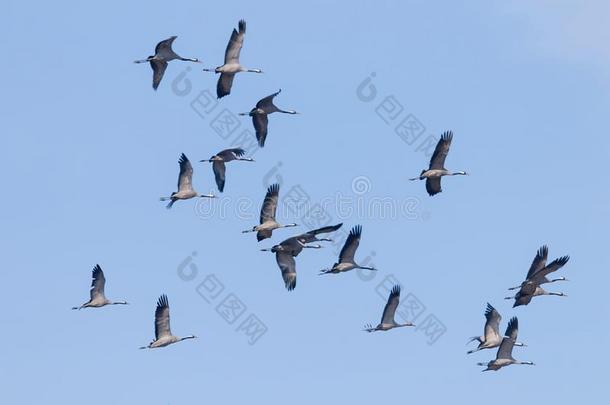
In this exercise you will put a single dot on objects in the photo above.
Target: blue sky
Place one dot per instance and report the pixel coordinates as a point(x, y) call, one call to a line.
point(88, 149)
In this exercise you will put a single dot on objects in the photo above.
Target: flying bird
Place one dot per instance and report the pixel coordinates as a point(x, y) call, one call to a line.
point(536, 276)
point(219, 160)
point(185, 184)
point(163, 54)
point(231, 65)
point(163, 333)
point(97, 298)
point(491, 333)
point(504, 357)
point(260, 113)
point(346, 257)
point(267, 218)
point(287, 250)
point(437, 169)
point(387, 319)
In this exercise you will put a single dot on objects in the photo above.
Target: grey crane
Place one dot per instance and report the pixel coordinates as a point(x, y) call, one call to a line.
point(539, 270)
point(163, 333)
point(260, 116)
point(504, 357)
point(163, 54)
point(97, 298)
point(185, 184)
point(436, 170)
point(346, 257)
point(219, 160)
point(491, 333)
point(231, 66)
point(287, 250)
point(267, 218)
point(387, 319)
point(536, 276)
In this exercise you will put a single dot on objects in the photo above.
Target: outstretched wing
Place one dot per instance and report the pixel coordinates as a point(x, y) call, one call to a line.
point(539, 261)
point(270, 203)
point(288, 268)
point(506, 347)
point(230, 154)
point(261, 122)
point(266, 103)
point(223, 87)
point(185, 178)
point(492, 323)
point(433, 185)
point(97, 283)
point(391, 305)
point(162, 318)
point(440, 152)
point(310, 236)
point(219, 174)
point(351, 245)
point(235, 43)
point(165, 47)
point(555, 265)
point(158, 67)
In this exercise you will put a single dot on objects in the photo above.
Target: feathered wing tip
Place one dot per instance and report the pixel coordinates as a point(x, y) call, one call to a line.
point(162, 302)
point(356, 231)
point(513, 324)
point(447, 136)
point(242, 26)
point(96, 270)
point(395, 292)
point(273, 189)
point(489, 309)
point(543, 251)
point(562, 260)
point(239, 152)
point(291, 283)
point(183, 159)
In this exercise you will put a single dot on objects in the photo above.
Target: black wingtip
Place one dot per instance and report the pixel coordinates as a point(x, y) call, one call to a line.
point(242, 26)
point(273, 189)
point(356, 231)
point(183, 158)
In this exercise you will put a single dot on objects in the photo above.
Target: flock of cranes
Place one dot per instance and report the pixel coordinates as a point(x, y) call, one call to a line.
point(528, 289)
point(287, 250)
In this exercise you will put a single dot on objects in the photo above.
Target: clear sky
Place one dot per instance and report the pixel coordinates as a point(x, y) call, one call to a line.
point(88, 148)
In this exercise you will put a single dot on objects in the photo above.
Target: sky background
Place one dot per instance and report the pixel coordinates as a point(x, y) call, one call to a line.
point(88, 148)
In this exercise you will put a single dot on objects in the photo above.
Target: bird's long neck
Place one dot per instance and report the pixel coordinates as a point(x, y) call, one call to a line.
point(367, 268)
point(287, 225)
point(287, 111)
point(119, 303)
point(187, 337)
point(189, 59)
point(559, 294)
point(460, 173)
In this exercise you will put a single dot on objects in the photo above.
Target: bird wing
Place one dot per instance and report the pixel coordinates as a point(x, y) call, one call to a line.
point(310, 236)
point(260, 121)
point(437, 161)
point(97, 283)
point(270, 203)
point(506, 347)
point(351, 244)
point(540, 276)
point(539, 261)
point(266, 103)
point(492, 323)
point(433, 185)
point(165, 45)
point(158, 67)
point(162, 318)
point(288, 267)
point(235, 43)
point(223, 87)
point(219, 174)
point(185, 178)
point(391, 305)
point(230, 154)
